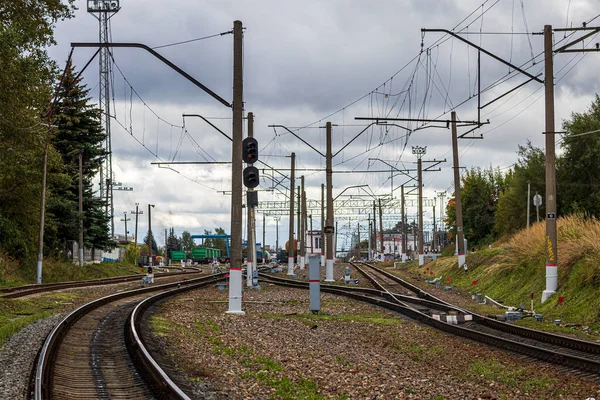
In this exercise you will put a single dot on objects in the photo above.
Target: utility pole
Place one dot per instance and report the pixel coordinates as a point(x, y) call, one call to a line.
point(235, 271)
point(150, 263)
point(291, 246)
point(277, 218)
point(442, 196)
point(312, 240)
point(528, 201)
point(404, 238)
point(263, 240)
point(420, 152)
point(551, 245)
point(299, 224)
point(434, 250)
point(322, 224)
point(459, 220)
point(358, 231)
point(251, 247)
point(381, 231)
point(137, 213)
point(369, 238)
point(302, 222)
point(374, 229)
point(166, 252)
point(81, 209)
point(329, 227)
point(125, 219)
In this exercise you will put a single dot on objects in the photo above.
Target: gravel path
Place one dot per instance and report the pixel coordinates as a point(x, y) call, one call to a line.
point(18, 355)
point(352, 351)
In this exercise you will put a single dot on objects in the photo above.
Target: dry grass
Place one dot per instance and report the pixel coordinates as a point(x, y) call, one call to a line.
point(578, 241)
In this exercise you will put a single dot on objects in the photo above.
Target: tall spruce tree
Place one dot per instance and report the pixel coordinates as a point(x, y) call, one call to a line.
point(78, 131)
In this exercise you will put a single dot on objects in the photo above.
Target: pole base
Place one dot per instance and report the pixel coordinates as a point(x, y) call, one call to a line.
point(461, 260)
point(235, 312)
point(421, 260)
point(329, 271)
point(546, 294)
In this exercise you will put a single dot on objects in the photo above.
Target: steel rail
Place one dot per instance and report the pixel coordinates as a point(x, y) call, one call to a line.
point(534, 334)
point(160, 381)
point(48, 352)
point(26, 290)
point(572, 361)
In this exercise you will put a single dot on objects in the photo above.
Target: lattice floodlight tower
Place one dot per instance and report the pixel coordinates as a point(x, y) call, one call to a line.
point(103, 10)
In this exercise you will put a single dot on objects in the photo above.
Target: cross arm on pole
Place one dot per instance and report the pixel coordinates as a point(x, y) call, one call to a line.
point(484, 51)
point(302, 140)
point(164, 60)
point(208, 122)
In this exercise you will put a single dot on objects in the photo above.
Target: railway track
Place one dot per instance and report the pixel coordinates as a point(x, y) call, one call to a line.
point(98, 351)
point(573, 353)
point(26, 290)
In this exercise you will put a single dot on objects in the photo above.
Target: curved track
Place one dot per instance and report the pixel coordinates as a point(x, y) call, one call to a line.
point(97, 351)
point(26, 290)
point(573, 353)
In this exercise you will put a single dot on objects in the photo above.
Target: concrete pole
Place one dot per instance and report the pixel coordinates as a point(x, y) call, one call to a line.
point(276, 234)
point(537, 210)
point(374, 229)
point(291, 246)
point(263, 240)
point(459, 220)
point(312, 240)
point(381, 248)
point(358, 231)
point(235, 271)
point(305, 231)
point(81, 246)
point(322, 225)
point(434, 250)
point(302, 222)
point(404, 238)
point(528, 201)
point(150, 235)
point(369, 238)
point(420, 239)
point(299, 222)
point(329, 226)
point(551, 243)
point(251, 246)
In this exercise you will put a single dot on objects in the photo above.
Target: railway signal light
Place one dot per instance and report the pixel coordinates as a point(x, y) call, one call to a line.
point(251, 178)
point(250, 151)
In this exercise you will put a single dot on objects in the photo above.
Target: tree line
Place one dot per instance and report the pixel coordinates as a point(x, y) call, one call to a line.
point(38, 115)
point(494, 203)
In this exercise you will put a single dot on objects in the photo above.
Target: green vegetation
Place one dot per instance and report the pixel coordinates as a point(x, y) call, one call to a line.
point(11, 274)
point(18, 313)
point(516, 268)
point(159, 325)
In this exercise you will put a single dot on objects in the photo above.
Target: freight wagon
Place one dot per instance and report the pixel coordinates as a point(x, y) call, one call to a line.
point(204, 255)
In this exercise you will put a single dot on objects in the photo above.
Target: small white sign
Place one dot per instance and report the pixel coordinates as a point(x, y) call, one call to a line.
point(537, 200)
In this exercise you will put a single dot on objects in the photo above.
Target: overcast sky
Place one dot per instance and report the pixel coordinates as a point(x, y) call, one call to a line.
point(312, 61)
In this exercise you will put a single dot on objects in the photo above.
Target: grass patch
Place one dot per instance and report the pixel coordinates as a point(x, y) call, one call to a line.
point(15, 273)
point(213, 326)
point(159, 325)
point(15, 314)
point(495, 371)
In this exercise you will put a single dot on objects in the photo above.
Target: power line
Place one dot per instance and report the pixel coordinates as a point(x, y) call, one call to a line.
point(192, 40)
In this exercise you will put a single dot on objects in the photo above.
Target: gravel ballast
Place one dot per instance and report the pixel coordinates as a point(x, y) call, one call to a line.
point(351, 351)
